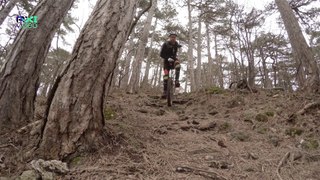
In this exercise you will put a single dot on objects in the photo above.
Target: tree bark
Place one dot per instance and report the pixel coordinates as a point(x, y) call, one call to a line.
point(219, 63)
point(135, 77)
point(7, 9)
point(265, 74)
point(146, 74)
point(155, 76)
point(210, 61)
point(190, 49)
point(159, 74)
point(199, 43)
point(19, 75)
point(75, 114)
point(302, 52)
point(126, 73)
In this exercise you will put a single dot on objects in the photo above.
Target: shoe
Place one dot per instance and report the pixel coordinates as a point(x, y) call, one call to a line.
point(177, 84)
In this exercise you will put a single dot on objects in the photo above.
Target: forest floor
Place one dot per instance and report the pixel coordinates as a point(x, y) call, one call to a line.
point(216, 134)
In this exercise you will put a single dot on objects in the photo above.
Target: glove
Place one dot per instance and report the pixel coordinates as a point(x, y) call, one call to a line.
point(170, 60)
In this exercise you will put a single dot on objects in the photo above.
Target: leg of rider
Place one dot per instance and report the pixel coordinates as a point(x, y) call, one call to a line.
point(165, 80)
point(165, 77)
point(177, 67)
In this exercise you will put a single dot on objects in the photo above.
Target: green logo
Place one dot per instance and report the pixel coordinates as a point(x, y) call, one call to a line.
point(28, 22)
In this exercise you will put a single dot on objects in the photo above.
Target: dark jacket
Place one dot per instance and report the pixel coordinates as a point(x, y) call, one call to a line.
point(169, 50)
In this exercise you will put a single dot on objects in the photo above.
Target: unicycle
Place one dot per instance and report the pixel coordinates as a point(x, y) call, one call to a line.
point(171, 86)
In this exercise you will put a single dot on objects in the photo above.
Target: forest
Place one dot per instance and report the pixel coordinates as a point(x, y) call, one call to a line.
point(81, 84)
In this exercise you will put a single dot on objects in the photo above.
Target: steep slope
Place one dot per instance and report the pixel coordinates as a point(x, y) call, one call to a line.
point(207, 135)
point(231, 135)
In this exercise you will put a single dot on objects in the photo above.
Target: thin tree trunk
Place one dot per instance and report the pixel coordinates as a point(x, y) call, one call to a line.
point(301, 50)
point(20, 74)
point(6, 10)
point(250, 56)
point(159, 75)
point(210, 61)
point(265, 74)
point(135, 78)
point(146, 73)
point(153, 77)
point(275, 72)
point(190, 49)
point(241, 63)
point(155, 74)
point(199, 43)
point(186, 85)
point(219, 63)
point(128, 58)
point(75, 114)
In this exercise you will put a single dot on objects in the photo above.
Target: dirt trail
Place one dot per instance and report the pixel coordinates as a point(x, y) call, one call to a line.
point(216, 135)
point(207, 136)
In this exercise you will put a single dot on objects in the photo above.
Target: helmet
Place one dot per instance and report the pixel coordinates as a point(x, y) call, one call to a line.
point(173, 34)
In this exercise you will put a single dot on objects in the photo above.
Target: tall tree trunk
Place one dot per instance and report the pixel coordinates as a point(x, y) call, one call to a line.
point(199, 43)
point(301, 50)
point(249, 50)
point(20, 74)
point(219, 63)
point(190, 49)
point(146, 73)
point(275, 72)
point(75, 115)
point(210, 61)
point(241, 63)
point(265, 75)
point(155, 74)
point(153, 78)
point(186, 85)
point(159, 75)
point(131, 51)
point(6, 10)
point(135, 77)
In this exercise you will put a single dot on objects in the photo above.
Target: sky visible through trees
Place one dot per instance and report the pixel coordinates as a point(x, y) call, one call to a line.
point(85, 7)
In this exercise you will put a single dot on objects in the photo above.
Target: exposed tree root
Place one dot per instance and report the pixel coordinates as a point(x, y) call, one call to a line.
point(308, 107)
point(281, 163)
point(200, 172)
point(8, 145)
point(242, 84)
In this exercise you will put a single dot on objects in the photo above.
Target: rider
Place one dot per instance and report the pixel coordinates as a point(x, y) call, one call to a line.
point(169, 50)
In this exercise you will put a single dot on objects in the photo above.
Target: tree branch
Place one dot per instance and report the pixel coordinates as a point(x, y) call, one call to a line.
point(137, 18)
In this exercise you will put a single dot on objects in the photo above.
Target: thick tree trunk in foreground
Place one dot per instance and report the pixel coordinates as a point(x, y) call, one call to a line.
point(7, 9)
point(302, 52)
point(19, 75)
point(75, 115)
